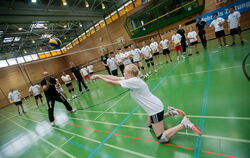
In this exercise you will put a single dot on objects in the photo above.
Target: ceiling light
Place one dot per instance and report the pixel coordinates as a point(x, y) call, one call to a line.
point(24, 51)
point(20, 28)
point(65, 37)
point(41, 49)
point(33, 1)
point(45, 27)
point(86, 4)
point(65, 26)
point(80, 25)
point(103, 6)
point(64, 2)
point(33, 41)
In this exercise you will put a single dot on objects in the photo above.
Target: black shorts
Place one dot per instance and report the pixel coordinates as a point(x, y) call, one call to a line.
point(91, 73)
point(235, 31)
point(68, 84)
point(150, 59)
point(157, 117)
point(38, 96)
point(166, 51)
point(156, 53)
point(220, 34)
point(18, 103)
point(193, 43)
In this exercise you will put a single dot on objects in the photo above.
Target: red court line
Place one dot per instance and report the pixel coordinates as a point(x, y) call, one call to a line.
point(173, 145)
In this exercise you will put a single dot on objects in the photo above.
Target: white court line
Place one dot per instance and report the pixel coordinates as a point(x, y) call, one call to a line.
point(191, 73)
point(191, 116)
point(60, 146)
point(63, 151)
point(111, 106)
point(146, 128)
point(96, 141)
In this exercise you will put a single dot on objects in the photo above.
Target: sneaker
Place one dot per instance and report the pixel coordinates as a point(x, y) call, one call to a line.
point(226, 45)
point(87, 90)
point(166, 62)
point(73, 111)
point(155, 70)
point(52, 123)
point(220, 46)
point(197, 52)
point(190, 54)
point(183, 57)
point(149, 72)
point(69, 99)
point(189, 125)
point(233, 44)
point(171, 60)
point(172, 111)
point(178, 58)
point(242, 42)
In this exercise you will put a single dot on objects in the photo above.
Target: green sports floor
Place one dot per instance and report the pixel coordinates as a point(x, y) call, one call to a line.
point(210, 87)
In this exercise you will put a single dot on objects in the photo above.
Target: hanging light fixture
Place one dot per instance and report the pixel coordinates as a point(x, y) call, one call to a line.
point(103, 6)
point(64, 2)
point(86, 4)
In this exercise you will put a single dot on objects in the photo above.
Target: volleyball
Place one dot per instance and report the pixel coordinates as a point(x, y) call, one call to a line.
point(55, 43)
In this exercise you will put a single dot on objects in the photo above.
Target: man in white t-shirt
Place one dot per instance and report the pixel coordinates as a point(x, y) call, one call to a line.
point(67, 81)
point(192, 36)
point(152, 105)
point(35, 91)
point(118, 58)
point(218, 23)
point(176, 39)
point(125, 57)
point(14, 97)
point(136, 52)
point(155, 48)
point(147, 53)
point(111, 62)
point(234, 24)
point(164, 44)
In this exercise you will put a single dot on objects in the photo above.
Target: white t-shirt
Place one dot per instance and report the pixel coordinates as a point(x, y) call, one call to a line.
point(215, 24)
point(192, 36)
point(141, 94)
point(136, 54)
point(35, 90)
point(119, 56)
point(233, 20)
point(154, 47)
point(127, 60)
point(90, 68)
point(84, 71)
point(176, 38)
point(14, 96)
point(66, 79)
point(164, 44)
point(146, 51)
point(111, 62)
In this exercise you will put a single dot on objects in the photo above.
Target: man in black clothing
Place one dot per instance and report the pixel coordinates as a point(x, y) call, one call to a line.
point(48, 85)
point(181, 31)
point(104, 59)
point(76, 73)
point(200, 25)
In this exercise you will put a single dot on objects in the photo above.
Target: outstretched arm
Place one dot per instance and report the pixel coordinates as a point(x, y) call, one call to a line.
point(108, 78)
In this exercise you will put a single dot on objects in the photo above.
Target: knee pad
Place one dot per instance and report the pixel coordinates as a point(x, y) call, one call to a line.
point(142, 67)
point(162, 138)
point(152, 63)
point(148, 64)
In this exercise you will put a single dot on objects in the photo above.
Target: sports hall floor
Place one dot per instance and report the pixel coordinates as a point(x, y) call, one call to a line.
point(209, 87)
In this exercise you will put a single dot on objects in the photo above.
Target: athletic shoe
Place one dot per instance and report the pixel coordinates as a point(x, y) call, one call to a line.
point(233, 44)
point(155, 70)
point(178, 58)
point(242, 42)
point(87, 90)
point(189, 125)
point(220, 46)
point(172, 111)
point(183, 57)
point(197, 52)
point(73, 111)
point(52, 123)
point(226, 45)
point(69, 99)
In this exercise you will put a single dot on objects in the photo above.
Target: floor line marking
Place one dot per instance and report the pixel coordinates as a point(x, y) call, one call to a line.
point(60, 146)
point(111, 106)
point(146, 128)
point(204, 71)
point(191, 116)
point(63, 151)
point(96, 141)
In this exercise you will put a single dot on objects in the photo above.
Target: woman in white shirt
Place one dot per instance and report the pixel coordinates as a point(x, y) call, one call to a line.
point(67, 80)
point(14, 97)
point(111, 62)
point(164, 44)
point(147, 53)
point(192, 36)
point(150, 103)
point(217, 23)
point(36, 92)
